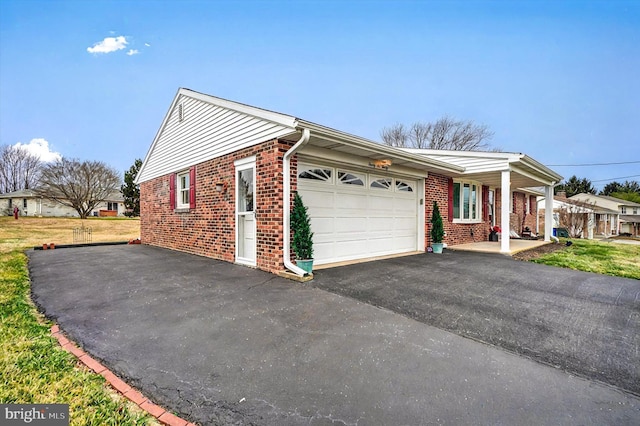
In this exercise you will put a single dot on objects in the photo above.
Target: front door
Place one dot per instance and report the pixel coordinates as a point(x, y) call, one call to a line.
point(245, 212)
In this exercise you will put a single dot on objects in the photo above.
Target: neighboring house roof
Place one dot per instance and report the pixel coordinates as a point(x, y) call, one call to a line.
point(604, 200)
point(22, 193)
point(29, 193)
point(568, 203)
point(482, 166)
point(631, 218)
point(232, 126)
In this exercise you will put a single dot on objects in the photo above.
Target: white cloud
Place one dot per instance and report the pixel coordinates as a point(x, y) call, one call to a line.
point(40, 147)
point(132, 52)
point(147, 44)
point(108, 45)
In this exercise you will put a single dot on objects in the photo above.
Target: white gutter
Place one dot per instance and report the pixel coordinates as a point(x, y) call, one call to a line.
point(286, 203)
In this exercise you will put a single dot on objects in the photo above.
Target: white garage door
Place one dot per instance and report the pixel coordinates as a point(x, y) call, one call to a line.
point(356, 215)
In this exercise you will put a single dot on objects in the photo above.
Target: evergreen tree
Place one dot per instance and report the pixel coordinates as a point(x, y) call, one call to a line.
point(437, 228)
point(131, 191)
point(575, 186)
point(302, 243)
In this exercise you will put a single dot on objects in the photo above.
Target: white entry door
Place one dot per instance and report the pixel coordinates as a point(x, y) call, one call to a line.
point(245, 212)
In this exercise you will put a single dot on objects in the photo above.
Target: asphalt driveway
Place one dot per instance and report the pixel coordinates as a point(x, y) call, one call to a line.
point(223, 344)
point(585, 323)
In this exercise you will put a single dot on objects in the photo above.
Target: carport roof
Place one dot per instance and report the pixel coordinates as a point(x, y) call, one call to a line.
point(486, 166)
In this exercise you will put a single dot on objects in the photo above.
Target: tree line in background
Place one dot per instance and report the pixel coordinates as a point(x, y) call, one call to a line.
point(629, 190)
point(81, 185)
point(445, 133)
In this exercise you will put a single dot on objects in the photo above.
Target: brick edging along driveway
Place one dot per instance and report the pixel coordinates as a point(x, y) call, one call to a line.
point(584, 323)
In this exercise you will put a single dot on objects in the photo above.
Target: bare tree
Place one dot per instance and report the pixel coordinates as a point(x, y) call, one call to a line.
point(419, 134)
point(445, 133)
point(574, 216)
point(395, 135)
point(79, 185)
point(19, 169)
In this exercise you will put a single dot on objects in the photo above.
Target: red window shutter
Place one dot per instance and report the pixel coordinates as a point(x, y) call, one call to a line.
point(532, 204)
point(172, 190)
point(450, 200)
point(485, 203)
point(192, 187)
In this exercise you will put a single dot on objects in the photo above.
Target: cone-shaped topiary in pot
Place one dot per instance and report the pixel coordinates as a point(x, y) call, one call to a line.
point(437, 228)
point(302, 243)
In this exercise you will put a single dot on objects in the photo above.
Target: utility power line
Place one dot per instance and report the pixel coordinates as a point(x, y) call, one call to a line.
point(592, 164)
point(616, 178)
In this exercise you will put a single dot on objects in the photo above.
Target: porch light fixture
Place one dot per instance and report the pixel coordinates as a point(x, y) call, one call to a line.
point(220, 186)
point(381, 164)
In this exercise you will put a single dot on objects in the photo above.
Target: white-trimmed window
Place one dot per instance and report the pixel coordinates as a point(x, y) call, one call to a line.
point(623, 209)
point(351, 178)
point(467, 201)
point(182, 190)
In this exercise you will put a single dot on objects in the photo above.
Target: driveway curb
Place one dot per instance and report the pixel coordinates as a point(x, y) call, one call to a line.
point(133, 395)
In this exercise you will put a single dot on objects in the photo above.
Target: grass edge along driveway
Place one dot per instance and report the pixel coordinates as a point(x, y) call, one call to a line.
point(35, 369)
point(607, 258)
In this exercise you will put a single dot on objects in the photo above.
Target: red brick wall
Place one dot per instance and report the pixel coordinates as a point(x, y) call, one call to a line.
point(437, 189)
point(209, 229)
point(518, 217)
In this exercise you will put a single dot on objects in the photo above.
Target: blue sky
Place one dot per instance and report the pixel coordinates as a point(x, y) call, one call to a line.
point(557, 80)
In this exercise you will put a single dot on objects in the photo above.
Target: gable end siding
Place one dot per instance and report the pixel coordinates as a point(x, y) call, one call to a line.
point(207, 131)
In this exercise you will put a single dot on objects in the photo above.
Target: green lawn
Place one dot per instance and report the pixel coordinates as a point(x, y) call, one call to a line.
point(609, 258)
point(33, 367)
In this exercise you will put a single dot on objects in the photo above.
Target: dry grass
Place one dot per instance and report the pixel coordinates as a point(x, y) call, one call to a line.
point(28, 232)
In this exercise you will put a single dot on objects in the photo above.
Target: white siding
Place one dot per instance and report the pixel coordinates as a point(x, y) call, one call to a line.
point(207, 131)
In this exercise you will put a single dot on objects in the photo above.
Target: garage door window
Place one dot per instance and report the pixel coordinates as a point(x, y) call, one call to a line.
point(348, 178)
point(315, 173)
point(381, 183)
point(404, 186)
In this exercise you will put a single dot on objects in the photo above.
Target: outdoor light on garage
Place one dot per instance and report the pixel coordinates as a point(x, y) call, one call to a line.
point(220, 186)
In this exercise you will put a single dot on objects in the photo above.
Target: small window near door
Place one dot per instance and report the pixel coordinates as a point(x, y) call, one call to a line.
point(348, 178)
point(24, 203)
point(183, 190)
point(112, 206)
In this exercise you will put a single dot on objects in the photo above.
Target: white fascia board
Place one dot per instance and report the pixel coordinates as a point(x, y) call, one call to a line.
point(358, 142)
point(276, 117)
point(157, 136)
point(540, 168)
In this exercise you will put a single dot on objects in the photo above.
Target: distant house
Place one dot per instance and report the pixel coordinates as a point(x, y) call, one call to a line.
point(592, 219)
point(624, 219)
point(219, 176)
point(31, 204)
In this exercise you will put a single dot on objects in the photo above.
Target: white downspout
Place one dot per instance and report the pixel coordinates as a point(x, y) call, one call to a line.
point(286, 202)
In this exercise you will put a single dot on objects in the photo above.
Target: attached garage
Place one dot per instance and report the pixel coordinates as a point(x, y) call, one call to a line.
point(356, 214)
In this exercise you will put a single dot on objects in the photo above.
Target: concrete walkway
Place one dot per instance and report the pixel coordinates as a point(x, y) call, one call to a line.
point(224, 344)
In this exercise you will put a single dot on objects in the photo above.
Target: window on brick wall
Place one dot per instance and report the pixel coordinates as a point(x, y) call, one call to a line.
point(182, 189)
point(467, 201)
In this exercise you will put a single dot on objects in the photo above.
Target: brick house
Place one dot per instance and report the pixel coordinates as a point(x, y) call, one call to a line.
point(218, 175)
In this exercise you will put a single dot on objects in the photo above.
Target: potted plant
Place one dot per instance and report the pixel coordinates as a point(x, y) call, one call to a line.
point(437, 229)
point(302, 243)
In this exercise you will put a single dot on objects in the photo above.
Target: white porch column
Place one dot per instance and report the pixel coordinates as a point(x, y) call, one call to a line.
point(505, 197)
point(548, 212)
